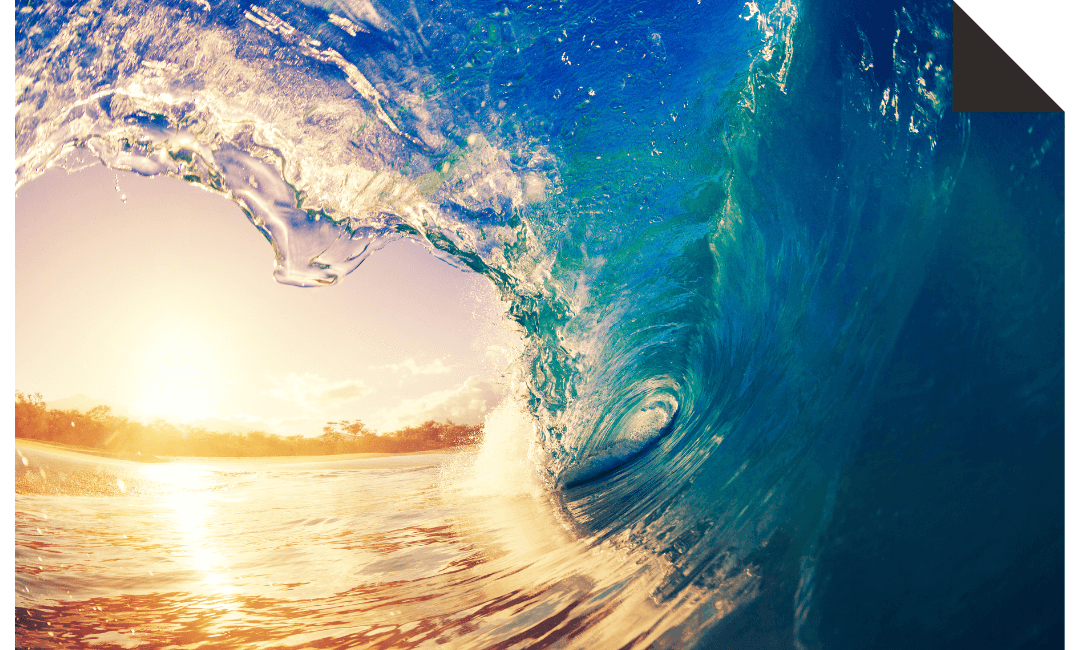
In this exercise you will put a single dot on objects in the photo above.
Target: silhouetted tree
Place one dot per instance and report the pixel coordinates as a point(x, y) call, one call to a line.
point(100, 428)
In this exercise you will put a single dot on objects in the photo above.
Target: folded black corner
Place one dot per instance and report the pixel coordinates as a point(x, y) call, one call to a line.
point(986, 79)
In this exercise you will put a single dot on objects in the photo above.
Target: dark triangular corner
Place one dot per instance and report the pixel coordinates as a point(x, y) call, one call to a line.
point(985, 79)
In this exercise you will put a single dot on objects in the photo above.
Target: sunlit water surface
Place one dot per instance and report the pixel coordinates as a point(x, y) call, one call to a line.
point(408, 551)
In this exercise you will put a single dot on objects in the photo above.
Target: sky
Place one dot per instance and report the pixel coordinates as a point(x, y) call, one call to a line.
point(158, 297)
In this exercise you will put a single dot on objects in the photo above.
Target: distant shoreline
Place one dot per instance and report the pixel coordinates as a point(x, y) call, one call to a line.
point(57, 447)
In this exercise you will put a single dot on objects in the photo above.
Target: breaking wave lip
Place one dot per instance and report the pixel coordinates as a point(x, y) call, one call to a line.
point(327, 179)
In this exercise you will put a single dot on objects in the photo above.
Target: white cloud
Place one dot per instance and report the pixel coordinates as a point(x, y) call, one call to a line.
point(466, 404)
point(410, 367)
point(312, 391)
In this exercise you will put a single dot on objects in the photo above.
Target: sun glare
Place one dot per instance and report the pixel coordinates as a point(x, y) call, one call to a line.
point(180, 378)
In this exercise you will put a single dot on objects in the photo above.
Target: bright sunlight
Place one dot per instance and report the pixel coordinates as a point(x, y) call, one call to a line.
point(181, 378)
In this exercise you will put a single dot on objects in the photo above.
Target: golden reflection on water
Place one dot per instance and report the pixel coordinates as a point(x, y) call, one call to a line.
point(190, 503)
point(383, 558)
point(178, 476)
point(191, 511)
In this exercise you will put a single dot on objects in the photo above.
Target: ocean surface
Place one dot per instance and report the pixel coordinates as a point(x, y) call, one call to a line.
point(794, 331)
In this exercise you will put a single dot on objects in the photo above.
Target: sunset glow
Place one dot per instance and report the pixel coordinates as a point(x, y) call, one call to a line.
point(403, 340)
point(181, 377)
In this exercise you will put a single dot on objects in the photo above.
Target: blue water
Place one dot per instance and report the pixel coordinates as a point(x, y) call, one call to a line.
point(794, 330)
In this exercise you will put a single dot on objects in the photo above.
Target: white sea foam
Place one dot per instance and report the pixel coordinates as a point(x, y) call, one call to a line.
point(505, 466)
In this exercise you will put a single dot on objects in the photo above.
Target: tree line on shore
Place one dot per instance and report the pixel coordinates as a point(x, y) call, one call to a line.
point(99, 428)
